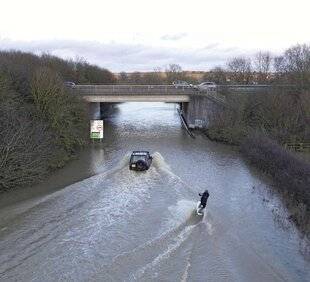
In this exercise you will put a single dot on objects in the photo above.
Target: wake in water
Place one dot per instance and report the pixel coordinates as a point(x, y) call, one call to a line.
point(135, 219)
point(175, 225)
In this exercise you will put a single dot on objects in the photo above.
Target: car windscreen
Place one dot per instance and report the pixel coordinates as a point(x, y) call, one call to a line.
point(135, 158)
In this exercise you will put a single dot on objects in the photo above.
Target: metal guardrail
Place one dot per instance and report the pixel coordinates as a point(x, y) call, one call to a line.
point(130, 89)
point(298, 146)
point(256, 89)
point(184, 123)
point(120, 89)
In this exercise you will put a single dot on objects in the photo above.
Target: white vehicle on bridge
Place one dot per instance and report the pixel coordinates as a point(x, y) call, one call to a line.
point(69, 84)
point(205, 86)
point(181, 84)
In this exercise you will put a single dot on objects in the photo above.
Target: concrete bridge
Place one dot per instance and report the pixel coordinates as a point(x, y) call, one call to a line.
point(198, 108)
point(141, 93)
point(133, 93)
point(193, 103)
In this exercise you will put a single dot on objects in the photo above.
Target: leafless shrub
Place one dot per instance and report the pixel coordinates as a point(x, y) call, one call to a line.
point(284, 116)
point(42, 125)
point(25, 144)
point(291, 174)
point(65, 114)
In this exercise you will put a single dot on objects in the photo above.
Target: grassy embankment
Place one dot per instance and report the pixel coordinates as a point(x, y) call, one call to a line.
point(262, 123)
point(42, 125)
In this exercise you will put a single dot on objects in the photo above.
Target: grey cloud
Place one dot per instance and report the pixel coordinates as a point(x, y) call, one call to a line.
point(174, 37)
point(211, 46)
point(128, 57)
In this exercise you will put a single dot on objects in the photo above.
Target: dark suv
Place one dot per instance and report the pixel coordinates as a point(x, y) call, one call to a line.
point(140, 160)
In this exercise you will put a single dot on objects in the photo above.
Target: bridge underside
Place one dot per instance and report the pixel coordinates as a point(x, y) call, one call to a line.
point(136, 98)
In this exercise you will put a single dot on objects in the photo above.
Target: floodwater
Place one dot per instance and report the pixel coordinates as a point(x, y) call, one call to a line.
point(120, 225)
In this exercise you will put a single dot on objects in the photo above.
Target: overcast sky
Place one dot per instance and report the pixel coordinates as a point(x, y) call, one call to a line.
point(139, 35)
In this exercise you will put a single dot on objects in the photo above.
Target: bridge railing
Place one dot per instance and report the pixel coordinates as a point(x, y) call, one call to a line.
point(298, 146)
point(129, 89)
point(256, 89)
point(120, 89)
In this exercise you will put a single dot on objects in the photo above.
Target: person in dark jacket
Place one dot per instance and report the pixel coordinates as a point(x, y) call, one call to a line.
point(204, 198)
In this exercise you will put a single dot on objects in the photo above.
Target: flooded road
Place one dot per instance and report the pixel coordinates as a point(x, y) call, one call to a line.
point(120, 225)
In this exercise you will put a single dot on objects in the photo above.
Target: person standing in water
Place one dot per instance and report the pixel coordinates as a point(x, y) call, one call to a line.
point(204, 198)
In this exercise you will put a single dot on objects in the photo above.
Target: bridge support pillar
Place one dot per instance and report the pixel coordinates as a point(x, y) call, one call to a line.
point(200, 111)
point(106, 109)
point(184, 109)
point(94, 110)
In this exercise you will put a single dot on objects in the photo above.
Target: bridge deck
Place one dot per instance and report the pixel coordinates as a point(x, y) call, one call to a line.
point(141, 93)
point(131, 90)
point(169, 93)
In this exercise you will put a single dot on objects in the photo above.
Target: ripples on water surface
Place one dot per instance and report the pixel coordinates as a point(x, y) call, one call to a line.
point(120, 225)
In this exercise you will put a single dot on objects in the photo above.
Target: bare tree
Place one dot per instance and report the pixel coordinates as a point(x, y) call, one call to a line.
point(217, 75)
point(297, 65)
point(240, 70)
point(136, 78)
point(174, 72)
point(262, 65)
point(293, 67)
point(123, 77)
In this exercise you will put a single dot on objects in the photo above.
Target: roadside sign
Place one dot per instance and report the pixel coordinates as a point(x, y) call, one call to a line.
point(198, 123)
point(96, 129)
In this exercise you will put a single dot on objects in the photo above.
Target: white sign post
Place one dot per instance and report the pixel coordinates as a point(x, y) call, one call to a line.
point(96, 129)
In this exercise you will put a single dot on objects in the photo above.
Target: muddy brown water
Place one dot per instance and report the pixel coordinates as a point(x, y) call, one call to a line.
point(97, 221)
